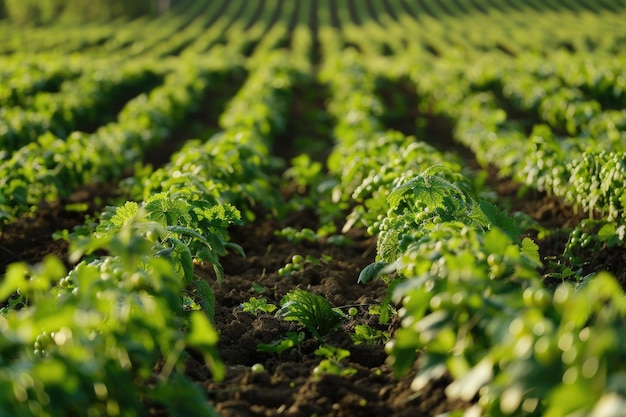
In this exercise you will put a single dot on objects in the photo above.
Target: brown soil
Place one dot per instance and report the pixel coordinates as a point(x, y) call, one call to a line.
point(288, 386)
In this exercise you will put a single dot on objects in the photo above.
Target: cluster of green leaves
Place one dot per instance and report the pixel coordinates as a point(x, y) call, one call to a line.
point(89, 345)
point(474, 306)
point(185, 228)
point(255, 305)
point(378, 159)
point(597, 184)
point(417, 206)
point(331, 364)
point(36, 172)
point(569, 95)
point(25, 76)
point(310, 310)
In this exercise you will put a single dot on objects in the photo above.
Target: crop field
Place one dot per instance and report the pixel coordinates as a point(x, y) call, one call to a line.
point(314, 208)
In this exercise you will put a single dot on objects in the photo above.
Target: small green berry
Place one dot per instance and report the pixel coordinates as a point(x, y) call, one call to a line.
point(257, 368)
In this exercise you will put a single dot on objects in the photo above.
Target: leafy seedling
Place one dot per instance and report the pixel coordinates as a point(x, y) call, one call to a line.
point(255, 305)
point(364, 334)
point(332, 362)
point(312, 311)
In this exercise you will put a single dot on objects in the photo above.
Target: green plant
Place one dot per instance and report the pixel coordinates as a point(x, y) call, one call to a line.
point(368, 335)
point(331, 364)
point(90, 344)
point(184, 228)
point(290, 341)
point(310, 310)
point(418, 205)
point(255, 305)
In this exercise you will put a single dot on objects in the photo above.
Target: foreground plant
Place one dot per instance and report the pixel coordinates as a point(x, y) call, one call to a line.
point(474, 307)
point(89, 346)
point(184, 228)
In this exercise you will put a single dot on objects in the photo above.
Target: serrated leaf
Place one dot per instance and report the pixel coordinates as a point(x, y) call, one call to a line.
point(115, 217)
point(166, 210)
point(501, 220)
point(312, 311)
point(531, 250)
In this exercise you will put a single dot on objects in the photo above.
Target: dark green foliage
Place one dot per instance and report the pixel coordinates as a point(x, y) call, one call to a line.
point(312, 311)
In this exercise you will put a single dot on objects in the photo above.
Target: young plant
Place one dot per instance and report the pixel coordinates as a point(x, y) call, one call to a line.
point(310, 310)
point(364, 334)
point(418, 205)
point(331, 364)
point(255, 305)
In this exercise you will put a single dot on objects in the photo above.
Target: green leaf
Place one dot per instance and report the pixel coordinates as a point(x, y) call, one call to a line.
point(207, 297)
point(14, 278)
point(168, 211)
point(500, 219)
point(203, 337)
point(114, 218)
point(531, 250)
point(371, 272)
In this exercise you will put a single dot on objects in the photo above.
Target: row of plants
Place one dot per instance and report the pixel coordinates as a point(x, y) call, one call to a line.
point(79, 104)
point(22, 76)
point(496, 116)
point(111, 337)
point(141, 305)
point(474, 306)
point(238, 161)
point(117, 315)
point(53, 167)
point(473, 301)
